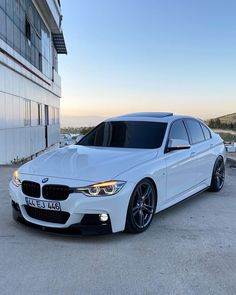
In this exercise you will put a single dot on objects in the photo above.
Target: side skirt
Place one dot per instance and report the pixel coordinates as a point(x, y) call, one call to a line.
point(185, 199)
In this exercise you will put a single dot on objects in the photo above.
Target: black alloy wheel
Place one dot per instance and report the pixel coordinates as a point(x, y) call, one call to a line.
point(218, 175)
point(142, 207)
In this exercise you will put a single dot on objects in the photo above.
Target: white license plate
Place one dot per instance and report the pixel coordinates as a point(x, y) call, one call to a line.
point(47, 205)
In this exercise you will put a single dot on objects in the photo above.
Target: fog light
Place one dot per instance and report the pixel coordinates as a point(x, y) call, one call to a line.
point(103, 217)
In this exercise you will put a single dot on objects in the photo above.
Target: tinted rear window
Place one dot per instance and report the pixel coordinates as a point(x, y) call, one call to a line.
point(195, 131)
point(126, 134)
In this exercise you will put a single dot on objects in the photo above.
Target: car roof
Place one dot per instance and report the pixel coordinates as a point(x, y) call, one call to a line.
point(150, 117)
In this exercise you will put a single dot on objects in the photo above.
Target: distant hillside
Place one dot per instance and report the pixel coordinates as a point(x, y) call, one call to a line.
point(226, 122)
point(230, 118)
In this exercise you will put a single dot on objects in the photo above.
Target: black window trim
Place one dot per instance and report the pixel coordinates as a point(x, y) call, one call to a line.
point(191, 140)
point(204, 125)
point(168, 136)
point(77, 143)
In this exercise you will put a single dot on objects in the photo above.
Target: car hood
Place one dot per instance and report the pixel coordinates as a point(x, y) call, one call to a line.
point(87, 163)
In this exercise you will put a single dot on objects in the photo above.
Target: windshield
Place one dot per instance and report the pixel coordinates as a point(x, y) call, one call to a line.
point(126, 134)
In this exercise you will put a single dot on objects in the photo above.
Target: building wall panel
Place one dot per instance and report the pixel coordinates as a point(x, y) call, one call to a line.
point(2, 111)
point(53, 134)
point(20, 143)
point(22, 81)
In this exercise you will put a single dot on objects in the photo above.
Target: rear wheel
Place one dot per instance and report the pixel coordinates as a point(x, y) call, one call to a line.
point(218, 175)
point(142, 207)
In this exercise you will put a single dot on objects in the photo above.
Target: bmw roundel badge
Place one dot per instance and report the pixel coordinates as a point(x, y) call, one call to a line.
point(45, 180)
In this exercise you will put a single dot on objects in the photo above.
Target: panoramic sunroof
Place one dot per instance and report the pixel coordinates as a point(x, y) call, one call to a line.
point(150, 114)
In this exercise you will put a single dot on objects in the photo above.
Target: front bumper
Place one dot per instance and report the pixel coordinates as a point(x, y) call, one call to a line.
point(96, 228)
point(78, 206)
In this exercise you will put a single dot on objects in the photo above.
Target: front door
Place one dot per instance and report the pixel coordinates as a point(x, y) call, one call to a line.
point(179, 165)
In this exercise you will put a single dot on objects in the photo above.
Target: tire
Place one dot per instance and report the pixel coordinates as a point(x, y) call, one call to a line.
point(142, 207)
point(218, 175)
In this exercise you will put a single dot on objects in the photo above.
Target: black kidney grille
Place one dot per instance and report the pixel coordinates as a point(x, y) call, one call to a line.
point(56, 192)
point(48, 215)
point(31, 189)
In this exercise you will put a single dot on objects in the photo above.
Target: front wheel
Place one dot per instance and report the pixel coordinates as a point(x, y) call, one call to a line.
point(142, 207)
point(218, 175)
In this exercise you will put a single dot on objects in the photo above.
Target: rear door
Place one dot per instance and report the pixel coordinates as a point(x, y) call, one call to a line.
point(200, 150)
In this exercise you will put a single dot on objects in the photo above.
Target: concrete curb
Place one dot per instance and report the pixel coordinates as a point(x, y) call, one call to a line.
point(231, 161)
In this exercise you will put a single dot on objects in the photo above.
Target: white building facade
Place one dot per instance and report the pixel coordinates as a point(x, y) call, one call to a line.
point(30, 87)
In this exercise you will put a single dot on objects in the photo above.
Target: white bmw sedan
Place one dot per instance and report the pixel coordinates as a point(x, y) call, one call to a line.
point(120, 174)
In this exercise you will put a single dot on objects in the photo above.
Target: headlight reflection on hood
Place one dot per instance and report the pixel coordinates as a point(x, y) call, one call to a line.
point(102, 189)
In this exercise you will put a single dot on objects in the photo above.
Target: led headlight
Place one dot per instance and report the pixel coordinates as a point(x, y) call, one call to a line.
point(102, 189)
point(16, 178)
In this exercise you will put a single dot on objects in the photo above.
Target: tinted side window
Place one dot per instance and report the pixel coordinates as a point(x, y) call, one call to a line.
point(178, 131)
point(206, 132)
point(195, 130)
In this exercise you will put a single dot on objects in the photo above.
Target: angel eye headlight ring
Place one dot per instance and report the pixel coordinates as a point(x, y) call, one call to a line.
point(93, 191)
point(102, 189)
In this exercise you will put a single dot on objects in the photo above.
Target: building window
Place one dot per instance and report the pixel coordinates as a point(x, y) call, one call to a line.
point(40, 62)
point(46, 109)
point(57, 116)
point(27, 113)
point(54, 59)
point(36, 113)
point(53, 115)
point(40, 114)
point(27, 29)
point(22, 28)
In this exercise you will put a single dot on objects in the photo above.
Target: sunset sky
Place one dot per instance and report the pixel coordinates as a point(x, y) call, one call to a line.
point(148, 55)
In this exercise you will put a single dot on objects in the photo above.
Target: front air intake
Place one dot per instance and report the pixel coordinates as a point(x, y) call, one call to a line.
point(47, 215)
